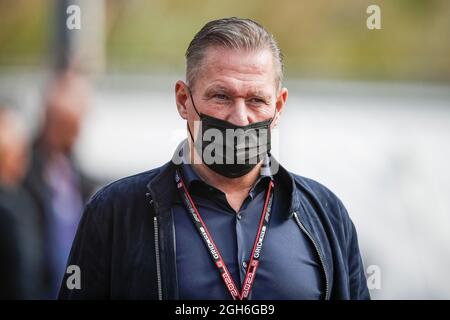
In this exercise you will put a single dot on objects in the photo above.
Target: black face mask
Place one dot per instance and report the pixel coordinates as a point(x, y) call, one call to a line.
point(228, 149)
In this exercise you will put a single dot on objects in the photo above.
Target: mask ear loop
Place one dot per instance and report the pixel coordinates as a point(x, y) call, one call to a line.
point(270, 123)
point(274, 115)
point(195, 108)
point(193, 104)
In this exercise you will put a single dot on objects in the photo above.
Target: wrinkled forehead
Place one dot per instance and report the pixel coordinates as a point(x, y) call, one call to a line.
point(237, 70)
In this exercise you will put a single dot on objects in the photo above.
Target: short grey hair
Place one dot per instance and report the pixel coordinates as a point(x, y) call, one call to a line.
point(233, 33)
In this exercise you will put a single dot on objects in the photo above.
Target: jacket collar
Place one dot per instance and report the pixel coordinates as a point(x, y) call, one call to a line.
point(162, 186)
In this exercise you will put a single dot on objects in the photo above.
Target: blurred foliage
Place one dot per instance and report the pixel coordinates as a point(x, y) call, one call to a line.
point(25, 31)
point(319, 38)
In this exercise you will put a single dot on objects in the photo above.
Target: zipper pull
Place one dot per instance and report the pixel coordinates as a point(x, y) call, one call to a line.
point(148, 195)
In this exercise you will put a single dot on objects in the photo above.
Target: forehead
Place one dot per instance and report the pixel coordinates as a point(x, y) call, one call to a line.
point(237, 70)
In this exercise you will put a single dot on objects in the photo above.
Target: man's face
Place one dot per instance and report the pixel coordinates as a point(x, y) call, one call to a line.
point(236, 86)
point(13, 150)
point(63, 125)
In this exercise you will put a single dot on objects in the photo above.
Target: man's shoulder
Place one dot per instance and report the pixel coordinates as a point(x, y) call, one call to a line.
point(315, 191)
point(313, 186)
point(126, 190)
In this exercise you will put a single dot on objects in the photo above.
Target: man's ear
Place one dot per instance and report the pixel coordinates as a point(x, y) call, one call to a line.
point(181, 97)
point(279, 105)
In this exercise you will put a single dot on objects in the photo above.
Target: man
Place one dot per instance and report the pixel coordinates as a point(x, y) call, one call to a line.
point(222, 220)
point(57, 185)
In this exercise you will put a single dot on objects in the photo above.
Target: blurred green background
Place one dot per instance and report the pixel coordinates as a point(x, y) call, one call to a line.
point(319, 39)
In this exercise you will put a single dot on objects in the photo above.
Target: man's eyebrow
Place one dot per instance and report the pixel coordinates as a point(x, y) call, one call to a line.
point(222, 89)
point(217, 88)
point(259, 93)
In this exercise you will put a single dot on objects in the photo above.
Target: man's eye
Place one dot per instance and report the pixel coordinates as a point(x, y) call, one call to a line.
point(220, 97)
point(257, 100)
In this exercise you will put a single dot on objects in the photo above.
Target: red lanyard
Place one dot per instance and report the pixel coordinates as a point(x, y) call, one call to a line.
point(213, 250)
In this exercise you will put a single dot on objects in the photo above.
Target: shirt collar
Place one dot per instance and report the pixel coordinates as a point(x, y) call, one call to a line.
point(191, 177)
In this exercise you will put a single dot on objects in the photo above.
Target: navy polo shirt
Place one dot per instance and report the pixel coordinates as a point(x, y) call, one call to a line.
point(289, 267)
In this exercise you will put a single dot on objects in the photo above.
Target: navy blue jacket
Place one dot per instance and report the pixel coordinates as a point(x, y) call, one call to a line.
point(125, 243)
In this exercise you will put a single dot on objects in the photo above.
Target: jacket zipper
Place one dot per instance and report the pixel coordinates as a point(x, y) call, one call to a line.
point(302, 227)
point(158, 263)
